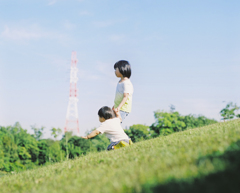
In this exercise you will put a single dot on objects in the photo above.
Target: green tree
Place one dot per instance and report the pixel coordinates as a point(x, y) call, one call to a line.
point(229, 111)
point(9, 150)
point(172, 108)
point(78, 146)
point(38, 132)
point(27, 141)
point(138, 132)
point(56, 132)
point(100, 142)
point(64, 143)
point(43, 147)
point(193, 121)
point(1, 156)
point(54, 151)
point(167, 123)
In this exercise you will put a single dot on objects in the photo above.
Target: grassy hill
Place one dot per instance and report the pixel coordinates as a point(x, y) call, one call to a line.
point(205, 159)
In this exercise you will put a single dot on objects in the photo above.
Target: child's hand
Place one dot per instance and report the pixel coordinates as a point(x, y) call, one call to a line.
point(84, 137)
point(116, 110)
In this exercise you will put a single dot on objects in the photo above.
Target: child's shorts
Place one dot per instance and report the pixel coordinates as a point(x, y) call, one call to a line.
point(123, 115)
point(110, 147)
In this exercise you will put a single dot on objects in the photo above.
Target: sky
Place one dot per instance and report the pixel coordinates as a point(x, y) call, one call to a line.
point(183, 53)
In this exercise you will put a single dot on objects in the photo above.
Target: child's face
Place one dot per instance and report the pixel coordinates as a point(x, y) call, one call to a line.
point(118, 74)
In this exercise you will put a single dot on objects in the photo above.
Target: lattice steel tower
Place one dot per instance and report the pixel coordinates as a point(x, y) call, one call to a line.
point(72, 123)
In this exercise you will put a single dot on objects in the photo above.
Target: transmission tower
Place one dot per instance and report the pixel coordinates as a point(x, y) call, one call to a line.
point(72, 123)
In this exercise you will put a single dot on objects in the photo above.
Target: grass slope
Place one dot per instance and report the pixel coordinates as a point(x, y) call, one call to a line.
point(205, 159)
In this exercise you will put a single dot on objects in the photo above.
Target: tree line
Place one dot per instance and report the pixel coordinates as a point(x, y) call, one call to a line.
point(20, 150)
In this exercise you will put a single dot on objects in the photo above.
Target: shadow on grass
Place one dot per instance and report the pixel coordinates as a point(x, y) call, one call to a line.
point(227, 181)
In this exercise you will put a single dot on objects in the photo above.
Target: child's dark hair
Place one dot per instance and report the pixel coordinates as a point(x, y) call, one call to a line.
point(106, 113)
point(123, 67)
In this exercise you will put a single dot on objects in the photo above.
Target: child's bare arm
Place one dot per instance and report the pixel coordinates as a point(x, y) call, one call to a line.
point(118, 115)
point(92, 134)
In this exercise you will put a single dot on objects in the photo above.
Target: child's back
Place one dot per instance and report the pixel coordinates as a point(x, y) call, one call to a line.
point(113, 130)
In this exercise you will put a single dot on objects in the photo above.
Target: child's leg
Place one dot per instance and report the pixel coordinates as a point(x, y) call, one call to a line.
point(123, 114)
point(111, 146)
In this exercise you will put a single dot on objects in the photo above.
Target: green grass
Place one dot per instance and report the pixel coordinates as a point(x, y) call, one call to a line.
point(205, 159)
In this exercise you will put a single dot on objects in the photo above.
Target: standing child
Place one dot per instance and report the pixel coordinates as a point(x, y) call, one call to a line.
point(111, 127)
point(124, 91)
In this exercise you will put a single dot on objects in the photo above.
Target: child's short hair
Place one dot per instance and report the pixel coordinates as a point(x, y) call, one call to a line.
point(123, 67)
point(106, 113)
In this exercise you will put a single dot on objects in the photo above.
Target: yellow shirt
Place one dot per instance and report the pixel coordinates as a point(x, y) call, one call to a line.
point(124, 87)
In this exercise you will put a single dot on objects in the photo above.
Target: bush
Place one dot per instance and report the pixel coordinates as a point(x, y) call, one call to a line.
point(167, 123)
point(138, 132)
point(170, 122)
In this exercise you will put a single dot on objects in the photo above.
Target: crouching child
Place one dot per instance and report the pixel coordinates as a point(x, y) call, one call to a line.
point(111, 126)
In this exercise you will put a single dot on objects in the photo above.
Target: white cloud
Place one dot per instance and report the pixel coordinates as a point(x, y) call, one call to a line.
point(52, 2)
point(21, 33)
point(27, 33)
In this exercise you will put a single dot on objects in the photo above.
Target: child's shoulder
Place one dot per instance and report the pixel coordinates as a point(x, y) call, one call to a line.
point(127, 81)
point(115, 120)
point(112, 120)
point(112, 123)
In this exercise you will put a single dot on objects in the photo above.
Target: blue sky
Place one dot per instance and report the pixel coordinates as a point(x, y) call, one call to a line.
point(184, 53)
